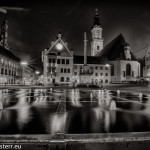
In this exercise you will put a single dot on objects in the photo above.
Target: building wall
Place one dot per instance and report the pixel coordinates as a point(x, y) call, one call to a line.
point(61, 71)
point(10, 71)
point(146, 69)
point(120, 70)
point(101, 74)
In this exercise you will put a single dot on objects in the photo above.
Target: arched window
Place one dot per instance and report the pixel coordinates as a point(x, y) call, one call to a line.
point(128, 70)
point(67, 79)
point(62, 79)
point(97, 47)
point(112, 69)
point(106, 81)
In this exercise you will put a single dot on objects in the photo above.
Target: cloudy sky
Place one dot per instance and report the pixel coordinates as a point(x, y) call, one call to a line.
point(34, 24)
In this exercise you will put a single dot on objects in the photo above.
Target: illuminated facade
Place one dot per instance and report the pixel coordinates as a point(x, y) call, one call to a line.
point(10, 68)
point(146, 68)
point(114, 63)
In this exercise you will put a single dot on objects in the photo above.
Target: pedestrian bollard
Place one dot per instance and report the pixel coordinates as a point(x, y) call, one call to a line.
point(140, 95)
point(118, 93)
point(91, 96)
point(1, 104)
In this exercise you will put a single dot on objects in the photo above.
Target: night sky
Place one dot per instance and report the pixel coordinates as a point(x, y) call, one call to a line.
point(33, 24)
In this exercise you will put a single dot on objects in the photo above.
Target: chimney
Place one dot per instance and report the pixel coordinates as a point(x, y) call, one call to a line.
point(85, 49)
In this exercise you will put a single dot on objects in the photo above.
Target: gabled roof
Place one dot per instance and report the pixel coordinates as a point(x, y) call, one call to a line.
point(64, 50)
point(115, 49)
point(8, 54)
point(90, 60)
point(143, 52)
point(2, 17)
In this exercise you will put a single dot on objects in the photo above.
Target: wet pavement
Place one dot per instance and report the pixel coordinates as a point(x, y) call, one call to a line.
point(72, 111)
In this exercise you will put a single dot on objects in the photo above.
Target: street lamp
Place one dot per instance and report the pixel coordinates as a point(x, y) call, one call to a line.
point(37, 72)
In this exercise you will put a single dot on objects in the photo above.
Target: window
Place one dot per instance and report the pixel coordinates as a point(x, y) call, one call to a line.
point(65, 70)
point(106, 81)
point(62, 79)
point(63, 61)
point(128, 70)
point(96, 74)
point(58, 61)
point(61, 70)
point(68, 70)
point(112, 69)
point(101, 68)
point(67, 61)
point(50, 61)
point(97, 47)
point(106, 74)
point(9, 72)
point(5, 71)
point(106, 68)
point(96, 67)
point(2, 70)
point(101, 74)
point(67, 79)
point(75, 73)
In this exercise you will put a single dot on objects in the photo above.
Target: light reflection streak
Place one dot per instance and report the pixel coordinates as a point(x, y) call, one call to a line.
point(58, 123)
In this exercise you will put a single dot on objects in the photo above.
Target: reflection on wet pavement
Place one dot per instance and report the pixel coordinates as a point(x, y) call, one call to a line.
point(67, 111)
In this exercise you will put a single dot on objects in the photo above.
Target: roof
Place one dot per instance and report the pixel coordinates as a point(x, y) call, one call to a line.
point(142, 52)
point(2, 17)
point(64, 51)
point(90, 60)
point(8, 54)
point(115, 49)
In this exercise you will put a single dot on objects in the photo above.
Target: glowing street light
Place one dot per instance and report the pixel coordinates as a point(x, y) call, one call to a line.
point(59, 46)
point(24, 63)
point(37, 72)
point(107, 65)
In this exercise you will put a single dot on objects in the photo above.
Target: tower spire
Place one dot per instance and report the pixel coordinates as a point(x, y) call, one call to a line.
point(96, 18)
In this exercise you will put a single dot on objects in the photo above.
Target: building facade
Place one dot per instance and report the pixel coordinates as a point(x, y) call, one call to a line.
point(58, 63)
point(10, 67)
point(146, 66)
point(114, 63)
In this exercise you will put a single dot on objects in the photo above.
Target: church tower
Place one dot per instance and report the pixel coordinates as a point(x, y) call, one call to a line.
point(97, 40)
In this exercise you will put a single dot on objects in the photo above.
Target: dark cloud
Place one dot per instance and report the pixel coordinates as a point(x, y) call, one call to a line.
point(33, 24)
